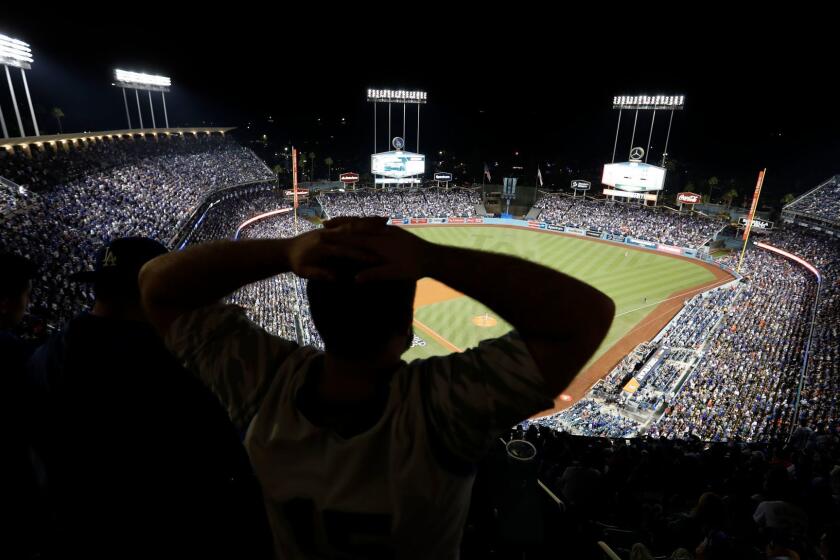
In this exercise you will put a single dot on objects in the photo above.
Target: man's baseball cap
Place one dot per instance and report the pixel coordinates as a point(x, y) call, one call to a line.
point(119, 262)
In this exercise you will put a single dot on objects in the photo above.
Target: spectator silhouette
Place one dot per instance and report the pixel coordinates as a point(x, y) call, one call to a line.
point(141, 460)
point(360, 454)
point(21, 490)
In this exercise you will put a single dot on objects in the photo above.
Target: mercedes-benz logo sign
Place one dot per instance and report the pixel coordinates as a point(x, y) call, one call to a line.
point(636, 154)
point(398, 143)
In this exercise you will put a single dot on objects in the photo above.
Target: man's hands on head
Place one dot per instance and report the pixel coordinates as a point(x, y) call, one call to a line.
point(388, 252)
point(312, 254)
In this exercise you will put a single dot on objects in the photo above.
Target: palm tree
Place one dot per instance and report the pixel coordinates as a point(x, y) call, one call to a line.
point(312, 166)
point(58, 114)
point(328, 161)
point(713, 183)
point(729, 196)
point(788, 198)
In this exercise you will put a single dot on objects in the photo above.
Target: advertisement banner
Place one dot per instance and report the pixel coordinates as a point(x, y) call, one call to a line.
point(536, 225)
point(419, 220)
point(690, 252)
point(455, 220)
point(670, 249)
point(437, 220)
point(552, 227)
point(574, 230)
point(593, 233)
point(640, 242)
point(349, 177)
point(688, 198)
point(474, 220)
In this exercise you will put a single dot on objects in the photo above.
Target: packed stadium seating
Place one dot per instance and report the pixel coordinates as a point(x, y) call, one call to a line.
point(822, 202)
point(146, 188)
point(402, 203)
point(661, 225)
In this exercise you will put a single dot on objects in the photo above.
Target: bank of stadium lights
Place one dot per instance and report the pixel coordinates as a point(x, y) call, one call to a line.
point(396, 96)
point(655, 102)
point(17, 54)
point(389, 96)
point(146, 82)
point(136, 79)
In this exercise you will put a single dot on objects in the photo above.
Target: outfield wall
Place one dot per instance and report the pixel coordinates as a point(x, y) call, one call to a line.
point(534, 224)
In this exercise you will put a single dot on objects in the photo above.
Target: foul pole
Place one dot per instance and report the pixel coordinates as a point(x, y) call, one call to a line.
point(751, 215)
point(295, 185)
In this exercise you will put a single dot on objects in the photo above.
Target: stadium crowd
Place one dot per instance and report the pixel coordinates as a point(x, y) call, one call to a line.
point(136, 191)
point(402, 203)
point(629, 220)
point(823, 202)
point(666, 499)
point(820, 400)
point(276, 302)
point(224, 214)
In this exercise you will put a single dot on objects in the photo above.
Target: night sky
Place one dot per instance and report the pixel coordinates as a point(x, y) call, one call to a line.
point(535, 82)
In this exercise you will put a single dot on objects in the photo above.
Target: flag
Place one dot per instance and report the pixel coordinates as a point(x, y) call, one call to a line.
point(487, 172)
point(539, 175)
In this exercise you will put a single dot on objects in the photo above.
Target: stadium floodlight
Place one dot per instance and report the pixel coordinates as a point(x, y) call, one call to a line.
point(14, 52)
point(649, 102)
point(145, 82)
point(17, 54)
point(139, 80)
point(396, 96)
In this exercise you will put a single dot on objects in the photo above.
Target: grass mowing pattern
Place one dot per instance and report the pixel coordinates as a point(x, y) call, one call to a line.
point(627, 276)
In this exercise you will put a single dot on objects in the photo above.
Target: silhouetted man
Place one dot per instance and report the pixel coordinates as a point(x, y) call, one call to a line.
point(21, 493)
point(141, 459)
point(360, 454)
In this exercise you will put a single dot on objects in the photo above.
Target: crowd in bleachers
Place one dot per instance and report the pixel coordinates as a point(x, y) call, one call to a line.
point(402, 203)
point(53, 163)
point(732, 362)
point(744, 386)
point(121, 189)
point(274, 303)
point(592, 418)
point(820, 402)
point(671, 500)
point(225, 214)
point(823, 202)
point(661, 225)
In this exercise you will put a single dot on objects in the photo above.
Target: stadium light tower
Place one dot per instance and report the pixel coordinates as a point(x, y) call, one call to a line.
point(142, 82)
point(396, 96)
point(17, 54)
point(647, 103)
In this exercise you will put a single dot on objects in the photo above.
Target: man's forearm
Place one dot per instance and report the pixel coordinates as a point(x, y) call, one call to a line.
point(203, 274)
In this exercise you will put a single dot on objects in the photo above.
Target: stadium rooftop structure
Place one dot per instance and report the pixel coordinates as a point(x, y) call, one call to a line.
point(28, 141)
point(818, 208)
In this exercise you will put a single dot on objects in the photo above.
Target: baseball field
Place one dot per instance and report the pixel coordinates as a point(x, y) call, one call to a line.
point(648, 289)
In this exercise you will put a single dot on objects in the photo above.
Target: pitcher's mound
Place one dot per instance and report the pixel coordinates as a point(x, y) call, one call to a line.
point(484, 321)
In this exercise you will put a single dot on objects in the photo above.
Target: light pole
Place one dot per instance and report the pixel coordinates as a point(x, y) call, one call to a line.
point(17, 54)
point(139, 81)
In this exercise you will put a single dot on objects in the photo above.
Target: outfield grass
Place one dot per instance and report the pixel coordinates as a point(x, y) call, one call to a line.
point(627, 276)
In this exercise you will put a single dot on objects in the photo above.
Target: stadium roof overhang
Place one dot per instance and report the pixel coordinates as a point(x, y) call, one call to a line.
point(10, 143)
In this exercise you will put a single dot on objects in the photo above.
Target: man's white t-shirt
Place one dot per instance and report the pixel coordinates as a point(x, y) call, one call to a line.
point(396, 490)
